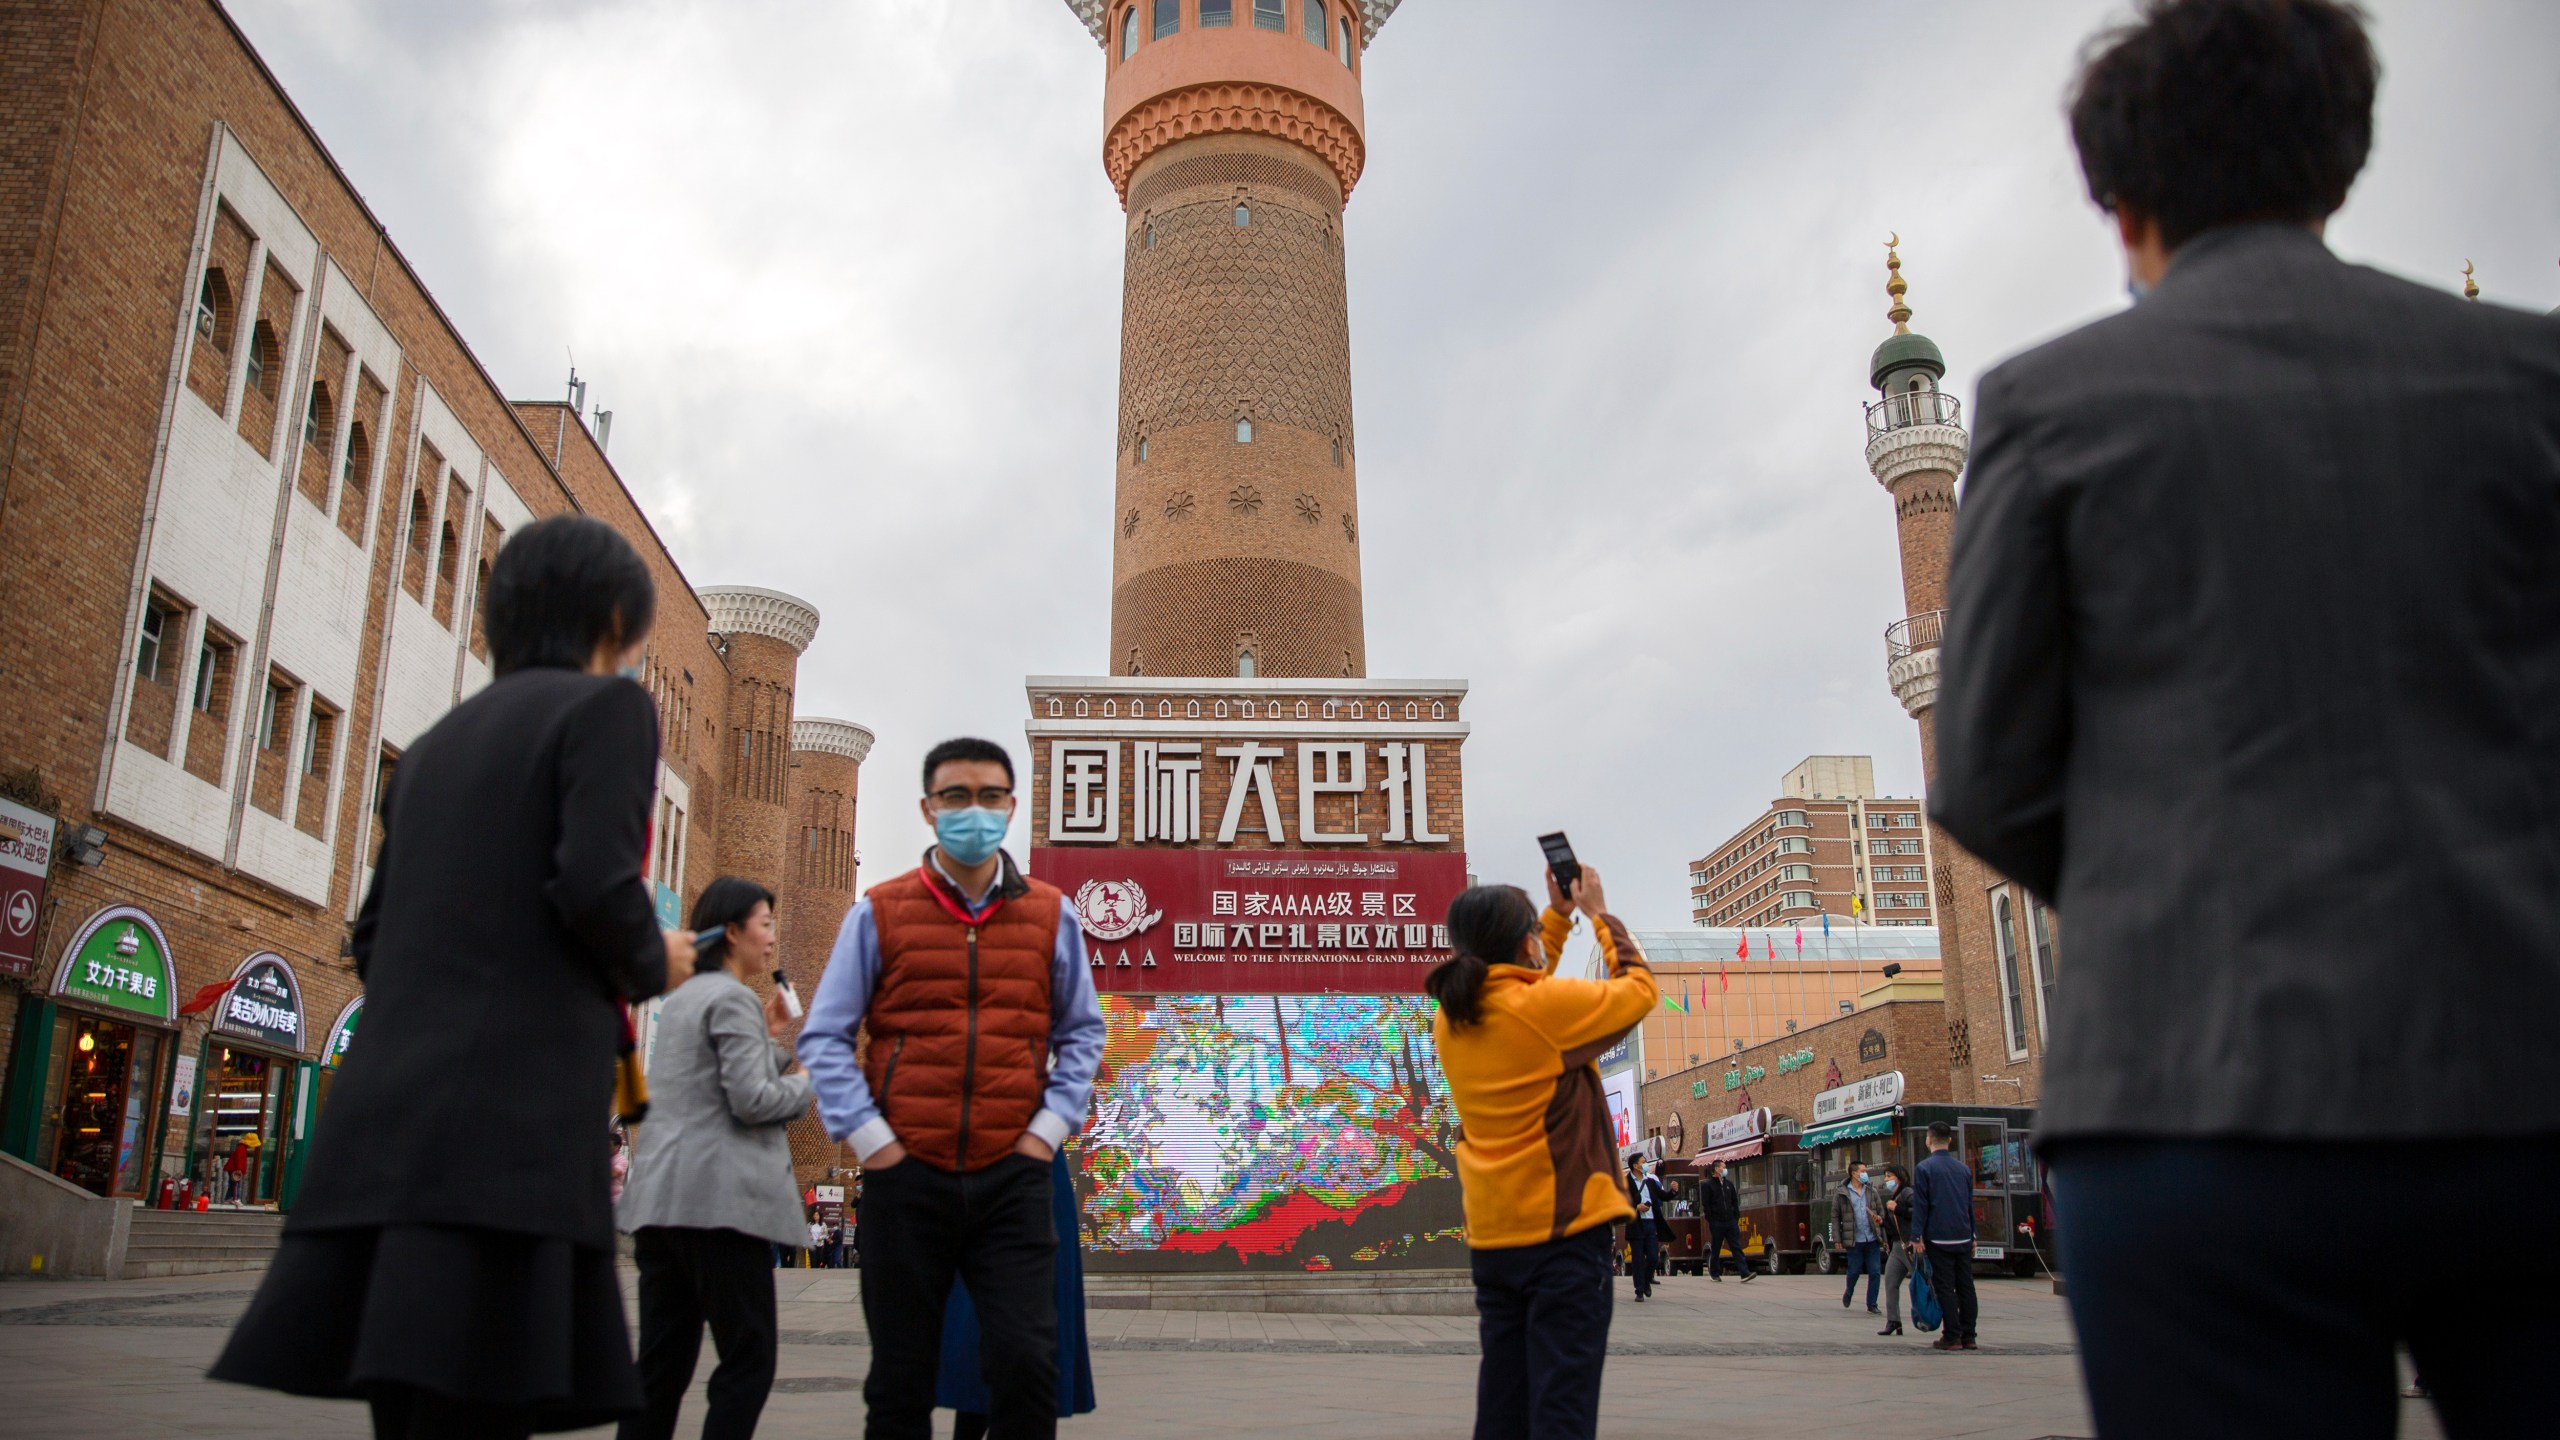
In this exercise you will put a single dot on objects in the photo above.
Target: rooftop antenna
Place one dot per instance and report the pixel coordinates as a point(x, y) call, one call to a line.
point(604, 428)
point(577, 388)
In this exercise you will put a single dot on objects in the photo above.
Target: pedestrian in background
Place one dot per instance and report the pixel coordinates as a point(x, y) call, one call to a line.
point(1856, 1216)
point(1723, 1205)
point(473, 1294)
point(2264, 565)
point(962, 1387)
point(711, 1182)
point(985, 1036)
point(1644, 1247)
point(1537, 1147)
point(1942, 1235)
point(1894, 1232)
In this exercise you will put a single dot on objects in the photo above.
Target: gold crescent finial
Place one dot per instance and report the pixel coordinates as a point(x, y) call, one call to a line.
point(1899, 313)
point(2470, 287)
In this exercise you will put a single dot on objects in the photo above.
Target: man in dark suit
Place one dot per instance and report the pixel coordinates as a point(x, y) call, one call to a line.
point(2252, 667)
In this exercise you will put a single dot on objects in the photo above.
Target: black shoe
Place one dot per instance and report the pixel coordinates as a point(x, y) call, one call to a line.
point(1749, 1275)
point(1717, 1278)
point(1844, 1302)
point(1946, 1342)
point(1873, 1310)
point(1891, 1328)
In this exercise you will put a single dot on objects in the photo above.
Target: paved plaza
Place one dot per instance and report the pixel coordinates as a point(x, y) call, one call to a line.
point(1778, 1358)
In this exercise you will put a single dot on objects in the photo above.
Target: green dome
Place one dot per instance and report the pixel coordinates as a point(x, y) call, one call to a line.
point(1899, 352)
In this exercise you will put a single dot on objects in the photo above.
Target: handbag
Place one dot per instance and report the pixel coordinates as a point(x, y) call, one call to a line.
point(1925, 1314)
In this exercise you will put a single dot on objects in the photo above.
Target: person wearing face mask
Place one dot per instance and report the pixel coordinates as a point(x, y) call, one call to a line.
point(985, 1037)
point(1894, 1230)
point(1855, 1217)
point(1537, 1161)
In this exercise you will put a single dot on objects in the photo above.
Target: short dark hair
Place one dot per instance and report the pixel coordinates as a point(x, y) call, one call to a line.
point(967, 748)
point(1942, 1132)
point(2204, 113)
point(728, 900)
point(559, 588)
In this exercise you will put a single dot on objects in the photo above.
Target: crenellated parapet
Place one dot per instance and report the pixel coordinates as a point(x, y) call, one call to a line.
point(832, 737)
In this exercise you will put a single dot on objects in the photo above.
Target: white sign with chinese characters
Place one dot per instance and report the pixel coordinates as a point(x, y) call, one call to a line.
point(1876, 1092)
point(1169, 778)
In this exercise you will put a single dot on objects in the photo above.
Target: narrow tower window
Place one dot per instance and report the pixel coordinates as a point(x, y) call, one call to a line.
point(1314, 15)
point(1244, 431)
point(1151, 234)
point(1217, 13)
point(1168, 17)
point(1244, 214)
point(1345, 23)
point(1244, 664)
point(1267, 15)
point(1142, 449)
point(1128, 32)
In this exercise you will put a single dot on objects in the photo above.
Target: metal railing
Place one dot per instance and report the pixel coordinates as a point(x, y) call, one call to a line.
point(1919, 632)
point(1912, 407)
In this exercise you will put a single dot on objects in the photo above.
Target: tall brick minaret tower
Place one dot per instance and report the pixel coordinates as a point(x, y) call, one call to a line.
point(1916, 447)
point(762, 633)
point(1233, 132)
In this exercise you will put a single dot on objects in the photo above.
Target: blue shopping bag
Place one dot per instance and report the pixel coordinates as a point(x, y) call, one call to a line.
point(1925, 1314)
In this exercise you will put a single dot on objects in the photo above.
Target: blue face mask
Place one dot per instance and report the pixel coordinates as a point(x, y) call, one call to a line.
point(1891, 1183)
point(970, 836)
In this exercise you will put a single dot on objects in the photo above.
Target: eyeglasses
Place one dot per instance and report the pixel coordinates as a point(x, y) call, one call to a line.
point(993, 797)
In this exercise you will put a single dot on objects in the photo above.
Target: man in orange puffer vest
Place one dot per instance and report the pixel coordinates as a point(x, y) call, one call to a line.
point(984, 1037)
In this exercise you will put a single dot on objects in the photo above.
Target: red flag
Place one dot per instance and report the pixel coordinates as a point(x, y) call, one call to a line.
point(1773, 946)
point(1721, 982)
point(1742, 946)
point(205, 997)
point(1799, 939)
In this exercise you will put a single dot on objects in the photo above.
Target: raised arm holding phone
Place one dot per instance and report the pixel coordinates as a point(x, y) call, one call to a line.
point(1538, 1163)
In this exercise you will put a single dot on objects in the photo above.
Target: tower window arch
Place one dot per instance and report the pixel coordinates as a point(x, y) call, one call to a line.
point(213, 310)
point(1244, 213)
point(1345, 35)
point(1142, 449)
point(1168, 17)
point(1128, 32)
point(1244, 430)
point(1314, 16)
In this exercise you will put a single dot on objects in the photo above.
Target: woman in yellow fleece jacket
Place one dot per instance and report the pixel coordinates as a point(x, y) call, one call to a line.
point(1537, 1157)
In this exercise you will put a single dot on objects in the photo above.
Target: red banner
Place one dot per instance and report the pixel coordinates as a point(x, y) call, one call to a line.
point(1258, 922)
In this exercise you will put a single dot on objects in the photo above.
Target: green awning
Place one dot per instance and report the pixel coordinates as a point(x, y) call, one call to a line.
point(1878, 1124)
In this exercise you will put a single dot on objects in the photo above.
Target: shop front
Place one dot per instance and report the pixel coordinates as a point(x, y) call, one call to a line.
point(251, 1090)
point(86, 1078)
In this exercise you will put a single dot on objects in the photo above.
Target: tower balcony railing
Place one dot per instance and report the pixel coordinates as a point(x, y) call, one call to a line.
point(1912, 407)
point(1919, 632)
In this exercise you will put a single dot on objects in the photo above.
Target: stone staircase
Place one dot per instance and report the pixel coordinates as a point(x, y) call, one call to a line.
point(1339, 1292)
point(190, 1242)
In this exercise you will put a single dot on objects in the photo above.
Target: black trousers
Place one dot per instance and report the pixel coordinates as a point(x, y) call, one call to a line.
point(1542, 1325)
point(1721, 1234)
point(689, 1277)
point(993, 1228)
point(1951, 1276)
point(403, 1413)
point(1646, 1255)
point(2282, 1308)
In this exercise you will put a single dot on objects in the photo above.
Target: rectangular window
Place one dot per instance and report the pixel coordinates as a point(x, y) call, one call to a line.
point(208, 733)
point(319, 749)
point(1168, 17)
point(152, 715)
point(1267, 15)
point(275, 722)
point(1217, 13)
point(1313, 14)
point(2041, 954)
point(275, 736)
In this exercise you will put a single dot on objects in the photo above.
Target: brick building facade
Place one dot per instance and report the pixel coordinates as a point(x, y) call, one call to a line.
point(251, 484)
point(1829, 845)
point(2001, 945)
point(1716, 1002)
point(1785, 1074)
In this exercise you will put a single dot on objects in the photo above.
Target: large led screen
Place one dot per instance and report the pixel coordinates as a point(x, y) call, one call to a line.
point(1270, 1132)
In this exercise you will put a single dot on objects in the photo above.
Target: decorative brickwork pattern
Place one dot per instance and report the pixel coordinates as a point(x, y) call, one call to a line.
point(1173, 181)
point(1232, 108)
point(1189, 619)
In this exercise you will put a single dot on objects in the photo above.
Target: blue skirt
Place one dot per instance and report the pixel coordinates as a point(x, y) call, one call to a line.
point(960, 1386)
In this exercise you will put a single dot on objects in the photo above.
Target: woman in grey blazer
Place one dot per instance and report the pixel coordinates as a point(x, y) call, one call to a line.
point(711, 1190)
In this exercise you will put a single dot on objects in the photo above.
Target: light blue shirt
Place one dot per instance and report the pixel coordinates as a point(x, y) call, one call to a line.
point(844, 993)
point(1865, 1217)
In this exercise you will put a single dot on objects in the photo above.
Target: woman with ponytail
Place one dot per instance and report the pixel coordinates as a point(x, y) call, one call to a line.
point(1538, 1159)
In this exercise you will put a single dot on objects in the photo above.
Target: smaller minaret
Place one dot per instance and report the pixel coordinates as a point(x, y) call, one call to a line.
point(1916, 448)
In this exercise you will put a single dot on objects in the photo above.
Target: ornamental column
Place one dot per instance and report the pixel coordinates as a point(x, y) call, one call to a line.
point(1233, 133)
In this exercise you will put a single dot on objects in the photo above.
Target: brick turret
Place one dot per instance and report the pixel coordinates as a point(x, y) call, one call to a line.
point(826, 770)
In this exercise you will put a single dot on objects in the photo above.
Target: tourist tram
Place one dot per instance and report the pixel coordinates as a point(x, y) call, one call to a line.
point(2012, 1215)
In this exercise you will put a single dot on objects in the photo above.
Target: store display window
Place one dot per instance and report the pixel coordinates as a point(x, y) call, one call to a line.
point(99, 1109)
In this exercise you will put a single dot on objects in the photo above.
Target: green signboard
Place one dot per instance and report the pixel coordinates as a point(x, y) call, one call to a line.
point(119, 960)
point(343, 1034)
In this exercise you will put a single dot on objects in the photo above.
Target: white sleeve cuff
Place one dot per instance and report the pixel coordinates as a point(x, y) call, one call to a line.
point(871, 1137)
point(1052, 1127)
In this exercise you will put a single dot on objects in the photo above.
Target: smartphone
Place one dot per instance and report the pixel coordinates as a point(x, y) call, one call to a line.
point(790, 997)
point(1560, 861)
point(705, 939)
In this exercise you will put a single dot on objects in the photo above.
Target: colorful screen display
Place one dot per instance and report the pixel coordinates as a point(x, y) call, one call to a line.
point(1297, 1132)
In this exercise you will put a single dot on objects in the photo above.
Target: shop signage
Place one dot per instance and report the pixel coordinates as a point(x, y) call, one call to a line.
point(264, 1003)
point(1616, 1055)
point(1876, 1092)
point(119, 960)
point(182, 1090)
point(1736, 1079)
point(1739, 1126)
point(1795, 1060)
point(1193, 792)
point(1258, 921)
point(1871, 1046)
point(343, 1033)
point(1697, 1089)
point(1675, 1132)
point(26, 853)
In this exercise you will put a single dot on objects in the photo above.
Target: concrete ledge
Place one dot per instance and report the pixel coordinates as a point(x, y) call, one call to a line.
point(1374, 1292)
point(53, 1229)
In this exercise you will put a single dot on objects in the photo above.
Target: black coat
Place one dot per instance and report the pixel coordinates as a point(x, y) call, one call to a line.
point(506, 920)
point(1722, 1202)
point(2252, 667)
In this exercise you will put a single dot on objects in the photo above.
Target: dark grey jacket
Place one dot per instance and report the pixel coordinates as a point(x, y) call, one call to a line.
point(2252, 667)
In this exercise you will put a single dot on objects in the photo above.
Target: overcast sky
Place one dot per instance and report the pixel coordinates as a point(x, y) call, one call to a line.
point(848, 274)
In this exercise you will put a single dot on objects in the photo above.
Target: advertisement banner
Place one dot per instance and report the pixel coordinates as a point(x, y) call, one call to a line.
point(26, 852)
point(1258, 921)
point(1737, 1127)
point(1876, 1092)
point(1620, 1089)
point(264, 1003)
